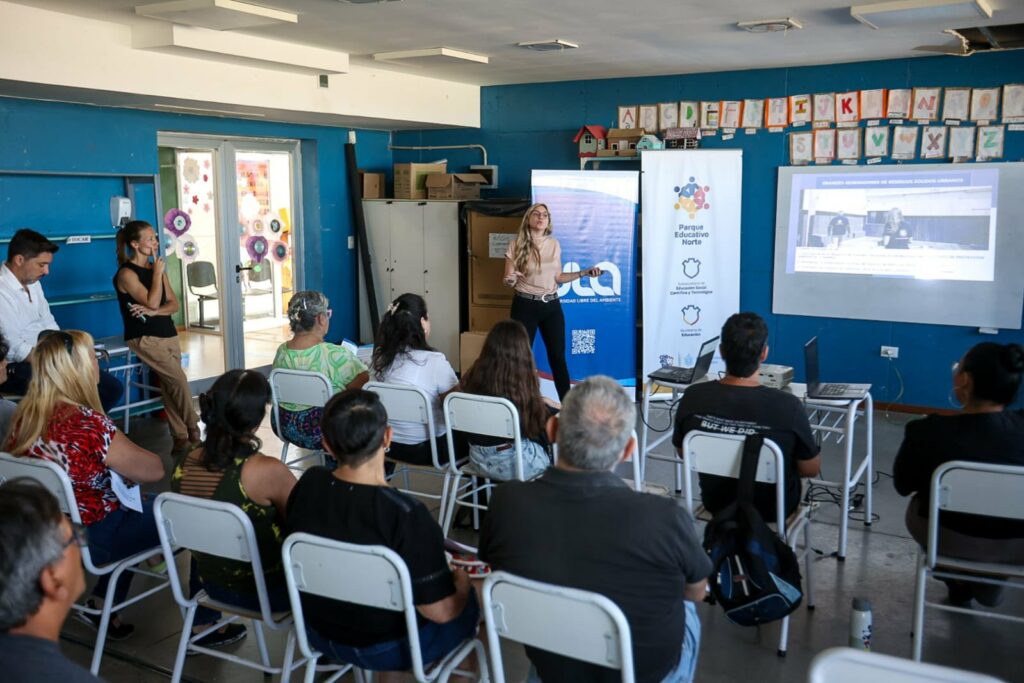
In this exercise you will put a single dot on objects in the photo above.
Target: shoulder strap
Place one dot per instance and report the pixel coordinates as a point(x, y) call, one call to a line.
point(748, 469)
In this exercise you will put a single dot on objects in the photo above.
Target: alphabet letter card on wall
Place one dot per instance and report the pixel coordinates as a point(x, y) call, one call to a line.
point(956, 104)
point(825, 107)
point(925, 105)
point(990, 142)
point(801, 148)
point(709, 115)
point(777, 113)
point(961, 143)
point(872, 103)
point(984, 104)
point(689, 116)
point(847, 108)
point(627, 117)
point(876, 141)
point(729, 116)
point(904, 142)
point(1013, 103)
point(848, 143)
point(824, 145)
point(647, 117)
point(753, 113)
point(898, 106)
point(933, 142)
point(668, 115)
point(799, 109)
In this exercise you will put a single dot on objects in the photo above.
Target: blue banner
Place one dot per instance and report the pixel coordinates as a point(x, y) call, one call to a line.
point(593, 216)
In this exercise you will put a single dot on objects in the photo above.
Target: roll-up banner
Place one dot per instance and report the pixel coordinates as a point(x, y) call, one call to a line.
point(691, 251)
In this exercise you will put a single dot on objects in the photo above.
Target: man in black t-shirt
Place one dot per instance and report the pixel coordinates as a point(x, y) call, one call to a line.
point(738, 404)
point(581, 526)
point(40, 578)
point(838, 227)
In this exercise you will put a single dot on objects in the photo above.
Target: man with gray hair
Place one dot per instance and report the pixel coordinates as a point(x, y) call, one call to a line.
point(581, 526)
point(40, 578)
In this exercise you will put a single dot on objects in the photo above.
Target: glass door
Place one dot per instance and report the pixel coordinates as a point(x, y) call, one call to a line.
point(228, 236)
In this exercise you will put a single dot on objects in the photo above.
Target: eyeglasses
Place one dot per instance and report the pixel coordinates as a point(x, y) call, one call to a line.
point(328, 313)
point(78, 537)
point(540, 214)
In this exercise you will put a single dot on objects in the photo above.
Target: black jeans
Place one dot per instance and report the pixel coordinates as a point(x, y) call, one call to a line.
point(18, 375)
point(548, 317)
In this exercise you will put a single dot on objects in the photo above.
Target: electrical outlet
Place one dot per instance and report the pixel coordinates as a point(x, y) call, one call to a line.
point(351, 242)
point(891, 352)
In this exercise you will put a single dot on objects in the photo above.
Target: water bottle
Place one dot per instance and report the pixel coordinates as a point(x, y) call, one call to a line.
point(860, 624)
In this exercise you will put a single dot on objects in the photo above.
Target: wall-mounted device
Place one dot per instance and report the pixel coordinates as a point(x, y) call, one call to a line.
point(120, 211)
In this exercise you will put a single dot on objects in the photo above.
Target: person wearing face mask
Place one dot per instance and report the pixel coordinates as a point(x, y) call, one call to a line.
point(146, 302)
point(25, 314)
point(985, 381)
point(533, 267)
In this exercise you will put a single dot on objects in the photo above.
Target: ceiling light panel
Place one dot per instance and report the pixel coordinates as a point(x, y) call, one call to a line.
point(904, 13)
point(219, 15)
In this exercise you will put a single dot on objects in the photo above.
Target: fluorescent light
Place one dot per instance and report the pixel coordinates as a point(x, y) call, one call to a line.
point(547, 45)
point(446, 52)
point(901, 13)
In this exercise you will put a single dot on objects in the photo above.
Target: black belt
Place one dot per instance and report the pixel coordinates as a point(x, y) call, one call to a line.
point(543, 298)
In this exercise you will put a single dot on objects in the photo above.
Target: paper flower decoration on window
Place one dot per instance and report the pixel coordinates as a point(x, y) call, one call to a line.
point(177, 222)
point(257, 247)
point(279, 251)
point(170, 242)
point(188, 250)
point(275, 225)
point(190, 170)
point(257, 226)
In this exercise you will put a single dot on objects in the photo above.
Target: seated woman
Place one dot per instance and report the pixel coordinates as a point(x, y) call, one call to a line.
point(403, 356)
point(61, 420)
point(229, 467)
point(309, 315)
point(354, 504)
point(147, 301)
point(985, 381)
point(506, 369)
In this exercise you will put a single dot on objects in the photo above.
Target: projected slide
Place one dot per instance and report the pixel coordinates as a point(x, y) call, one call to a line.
point(928, 224)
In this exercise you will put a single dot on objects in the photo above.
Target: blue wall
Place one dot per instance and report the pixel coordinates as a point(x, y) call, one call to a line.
point(49, 136)
point(531, 126)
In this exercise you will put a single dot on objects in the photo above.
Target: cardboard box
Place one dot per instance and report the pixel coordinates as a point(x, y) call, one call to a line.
point(454, 185)
point(488, 238)
point(483, 318)
point(410, 179)
point(470, 345)
point(371, 184)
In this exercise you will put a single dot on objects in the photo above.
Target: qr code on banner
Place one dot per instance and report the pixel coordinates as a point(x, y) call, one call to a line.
point(583, 342)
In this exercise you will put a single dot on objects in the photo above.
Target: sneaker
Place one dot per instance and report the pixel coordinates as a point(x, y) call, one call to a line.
point(988, 594)
point(114, 631)
point(960, 592)
point(232, 633)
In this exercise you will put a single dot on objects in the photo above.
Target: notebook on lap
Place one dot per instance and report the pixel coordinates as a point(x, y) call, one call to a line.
point(828, 390)
point(677, 375)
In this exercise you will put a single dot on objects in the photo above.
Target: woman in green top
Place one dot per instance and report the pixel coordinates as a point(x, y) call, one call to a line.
point(309, 316)
point(228, 467)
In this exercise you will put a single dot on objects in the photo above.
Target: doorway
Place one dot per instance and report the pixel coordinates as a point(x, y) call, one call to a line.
point(231, 224)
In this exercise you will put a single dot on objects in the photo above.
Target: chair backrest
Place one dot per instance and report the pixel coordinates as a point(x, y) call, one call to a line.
point(846, 665)
point(298, 386)
point(264, 274)
point(201, 274)
point(570, 622)
point(722, 455)
point(487, 415)
point(369, 575)
point(210, 527)
point(408, 404)
point(976, 488)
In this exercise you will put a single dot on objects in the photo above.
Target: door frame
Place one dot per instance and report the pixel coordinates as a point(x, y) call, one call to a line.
point(229, 252)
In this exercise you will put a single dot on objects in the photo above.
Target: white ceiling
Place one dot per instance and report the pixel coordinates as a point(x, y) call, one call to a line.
point(617, 38)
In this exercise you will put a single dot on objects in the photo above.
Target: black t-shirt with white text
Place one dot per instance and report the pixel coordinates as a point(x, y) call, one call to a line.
point(27, 659)
point(729, 409)
point(323, 505)
point(589, 530)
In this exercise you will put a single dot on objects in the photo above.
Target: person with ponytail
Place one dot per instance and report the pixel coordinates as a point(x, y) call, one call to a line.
point(403, 356)
point(986, 382)
point(146, 302)
point(533, 268)
point(309, 315)
point(61, 420)
point(229, 467)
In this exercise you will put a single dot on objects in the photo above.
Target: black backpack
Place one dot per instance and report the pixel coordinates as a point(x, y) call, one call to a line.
point(755, 575)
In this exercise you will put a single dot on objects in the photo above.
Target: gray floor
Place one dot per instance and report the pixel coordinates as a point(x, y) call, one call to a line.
point(879, 566)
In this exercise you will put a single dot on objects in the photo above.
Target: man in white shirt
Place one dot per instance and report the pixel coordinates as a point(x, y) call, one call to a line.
point(24, 313)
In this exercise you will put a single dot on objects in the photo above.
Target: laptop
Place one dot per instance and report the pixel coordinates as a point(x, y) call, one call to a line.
point(676, 375)
point(815, 389)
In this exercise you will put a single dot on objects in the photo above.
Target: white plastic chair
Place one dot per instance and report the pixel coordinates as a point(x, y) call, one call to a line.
point(56, 481)
point(411, 404)
point(722, 455)
point(978, 489)
point(220, 529)
point(567, 621)
point(370, 575)
point(846, 665)
point(486, 415)
point(302, 388)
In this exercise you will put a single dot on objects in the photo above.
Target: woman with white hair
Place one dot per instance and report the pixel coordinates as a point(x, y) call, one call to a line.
point(309, 315)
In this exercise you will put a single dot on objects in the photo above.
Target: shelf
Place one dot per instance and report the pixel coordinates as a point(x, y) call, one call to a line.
point(87, 298)
point(597, 161)
point(64, 238)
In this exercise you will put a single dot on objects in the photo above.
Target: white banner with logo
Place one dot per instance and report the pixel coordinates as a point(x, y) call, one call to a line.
point(691, 251)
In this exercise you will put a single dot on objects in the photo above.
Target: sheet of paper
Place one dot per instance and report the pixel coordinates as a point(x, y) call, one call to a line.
point(497, 244)
point(129, 496)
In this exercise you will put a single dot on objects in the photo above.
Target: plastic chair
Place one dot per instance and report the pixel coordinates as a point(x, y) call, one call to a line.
point(411, 404)
point(722, 455)
point(223, 530)
point(257, 282)
point(567, 621)
point(486, 415)
point(202, 274)
point(303, 388)
point(846, 665)
point(56, 481)
point(369, 575)
point(978, 489)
